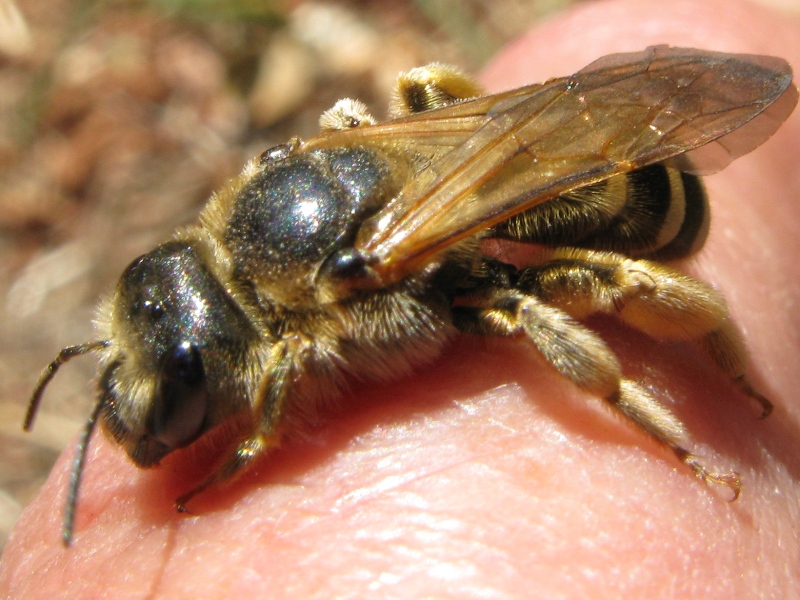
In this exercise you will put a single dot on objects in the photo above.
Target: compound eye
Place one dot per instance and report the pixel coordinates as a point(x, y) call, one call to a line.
point(180, 407)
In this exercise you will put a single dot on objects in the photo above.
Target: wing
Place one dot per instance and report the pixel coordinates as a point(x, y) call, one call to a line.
point(495, 156)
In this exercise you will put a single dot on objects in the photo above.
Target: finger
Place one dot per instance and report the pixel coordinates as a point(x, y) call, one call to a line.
point(485, 473)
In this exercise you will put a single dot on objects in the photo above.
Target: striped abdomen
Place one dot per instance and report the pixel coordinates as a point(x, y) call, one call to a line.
point(655, 212)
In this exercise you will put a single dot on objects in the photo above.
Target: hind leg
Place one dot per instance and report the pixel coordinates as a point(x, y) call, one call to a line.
point(653, 298)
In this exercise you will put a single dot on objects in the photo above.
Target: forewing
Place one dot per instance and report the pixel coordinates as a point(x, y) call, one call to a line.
point(493, 157)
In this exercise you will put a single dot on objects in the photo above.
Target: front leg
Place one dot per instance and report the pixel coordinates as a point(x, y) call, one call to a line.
point(268, 416)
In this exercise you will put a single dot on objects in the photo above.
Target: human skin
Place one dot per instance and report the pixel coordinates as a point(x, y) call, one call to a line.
point(486, 474)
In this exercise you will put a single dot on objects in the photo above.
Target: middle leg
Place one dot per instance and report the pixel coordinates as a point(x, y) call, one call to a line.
point(581, 356)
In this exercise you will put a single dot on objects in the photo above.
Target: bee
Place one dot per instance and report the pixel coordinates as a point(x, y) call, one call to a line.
point(362, 252)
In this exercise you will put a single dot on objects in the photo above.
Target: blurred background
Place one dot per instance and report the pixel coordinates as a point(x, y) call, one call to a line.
point(118, 118)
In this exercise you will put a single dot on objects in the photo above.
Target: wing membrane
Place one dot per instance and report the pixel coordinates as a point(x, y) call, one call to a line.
point(429, 134)
point(495, 156)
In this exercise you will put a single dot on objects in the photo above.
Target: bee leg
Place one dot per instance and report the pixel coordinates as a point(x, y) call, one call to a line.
point(726, 348)
point(433, 86)
point(654, 418)
point(573, 350)
point(582, 357)
point(655, 299)
point(268, 410)
point(346, 114)
point(233, 466)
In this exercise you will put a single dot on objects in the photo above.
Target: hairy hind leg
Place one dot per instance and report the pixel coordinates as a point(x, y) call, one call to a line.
point(581, 356)
point(647, 295)
point(433, 86)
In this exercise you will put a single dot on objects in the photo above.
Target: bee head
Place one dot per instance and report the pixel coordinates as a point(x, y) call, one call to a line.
point(177, 340)
point(176, 345)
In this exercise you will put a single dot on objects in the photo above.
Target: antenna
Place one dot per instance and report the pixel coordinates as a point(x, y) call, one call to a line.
point(50, 371)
